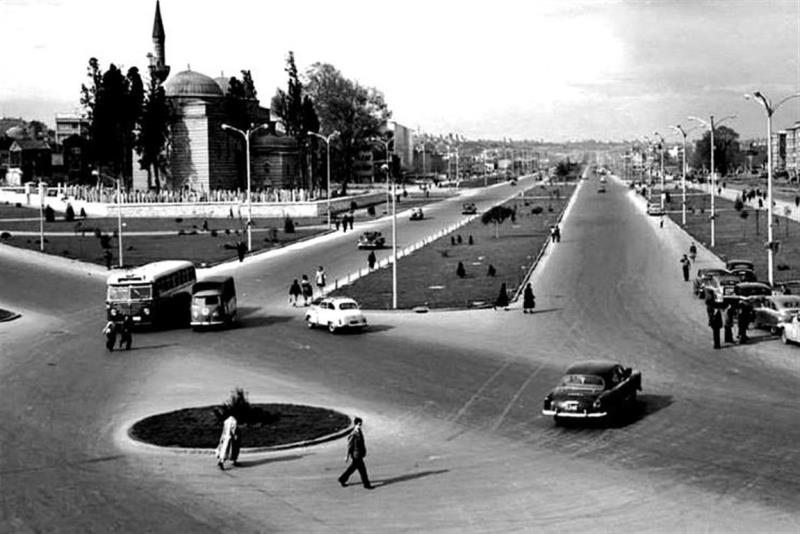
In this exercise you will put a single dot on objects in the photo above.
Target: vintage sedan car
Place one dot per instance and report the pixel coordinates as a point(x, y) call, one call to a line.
point(704, 276)
point(752, 289)
point(739, 264)
point(416, 214)
point(745, 275)
point(593, 389)
point(654, 208)
point(335, 313)
point(771, 311)
point(469, 208)
point(371, 240)
point(790, 330)
point(721, 288)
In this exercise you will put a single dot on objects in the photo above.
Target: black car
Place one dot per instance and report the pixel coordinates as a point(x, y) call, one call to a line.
point(752, 289)
point(745, 275)
point(593, 389)
point(703, 277)
point(371, 240)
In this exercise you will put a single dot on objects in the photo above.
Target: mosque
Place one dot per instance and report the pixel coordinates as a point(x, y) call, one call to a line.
point(202, 156)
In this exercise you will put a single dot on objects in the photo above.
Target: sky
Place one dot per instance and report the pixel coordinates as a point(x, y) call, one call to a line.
point(520, 69)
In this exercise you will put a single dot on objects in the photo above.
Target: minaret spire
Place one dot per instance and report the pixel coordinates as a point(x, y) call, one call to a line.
point(158, 61)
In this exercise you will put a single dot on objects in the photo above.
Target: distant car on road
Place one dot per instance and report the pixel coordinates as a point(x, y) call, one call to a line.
point(653, 208)
point(371, 240)
point(771, 311)
point(593, 389)
point(469, 208)
point(335, 313)
point(704, 276)
point(417, 214)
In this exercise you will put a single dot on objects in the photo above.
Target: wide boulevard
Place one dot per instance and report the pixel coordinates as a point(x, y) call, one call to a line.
point(451, 400)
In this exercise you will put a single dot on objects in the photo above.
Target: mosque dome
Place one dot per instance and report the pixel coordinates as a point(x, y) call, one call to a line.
point(191, 84)
point(17, 132)
point(223, 82)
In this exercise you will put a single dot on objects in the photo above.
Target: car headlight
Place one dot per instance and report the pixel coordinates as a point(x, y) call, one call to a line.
point(146, 311)
point(597, 404)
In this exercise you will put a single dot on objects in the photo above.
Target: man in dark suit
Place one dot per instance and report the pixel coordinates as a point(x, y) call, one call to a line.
point(356, 451)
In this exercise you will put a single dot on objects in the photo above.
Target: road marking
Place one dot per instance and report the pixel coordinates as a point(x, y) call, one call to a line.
point(477, 394)
point(515, 397)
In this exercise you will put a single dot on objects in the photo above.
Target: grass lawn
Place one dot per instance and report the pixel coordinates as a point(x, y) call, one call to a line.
point(428, 276)
point(270, 425)
point(138, 250)
point(738, 237)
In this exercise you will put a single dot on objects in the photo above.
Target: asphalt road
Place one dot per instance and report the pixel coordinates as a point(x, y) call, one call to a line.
point(450, 400)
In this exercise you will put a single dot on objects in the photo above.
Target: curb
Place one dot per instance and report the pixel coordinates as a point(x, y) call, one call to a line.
point(271, 448)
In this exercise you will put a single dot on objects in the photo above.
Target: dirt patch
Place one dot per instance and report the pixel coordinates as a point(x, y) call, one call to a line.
point(269, 425)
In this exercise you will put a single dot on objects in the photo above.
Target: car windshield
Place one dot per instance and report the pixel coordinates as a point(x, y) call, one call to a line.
point(124, 293)
point(210, 300)
point(582, 382)
point(794, 304)
point(348, 306)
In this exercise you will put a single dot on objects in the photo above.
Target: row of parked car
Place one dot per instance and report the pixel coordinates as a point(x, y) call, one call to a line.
point(773, 310)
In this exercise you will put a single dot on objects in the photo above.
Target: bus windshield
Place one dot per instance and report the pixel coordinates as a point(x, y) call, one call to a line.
point(129, 293)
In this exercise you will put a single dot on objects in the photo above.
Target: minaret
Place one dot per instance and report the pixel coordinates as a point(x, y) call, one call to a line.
point(158, 61)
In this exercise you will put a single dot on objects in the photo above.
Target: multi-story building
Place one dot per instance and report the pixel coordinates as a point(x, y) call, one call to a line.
point(792, 147)
point(69, 124)
point(779, 150)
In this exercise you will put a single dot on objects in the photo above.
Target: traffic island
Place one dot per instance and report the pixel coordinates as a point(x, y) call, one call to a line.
point(267, 427)
point(6, 315)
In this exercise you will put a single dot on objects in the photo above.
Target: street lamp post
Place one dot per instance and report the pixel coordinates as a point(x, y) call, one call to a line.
point(387, 169)
point(327, 140)
point(663, 182)
point(386, 143)
point(770, 109)
point(680, 130)
point(710, 126)
point(246, 134)
point(118, 199)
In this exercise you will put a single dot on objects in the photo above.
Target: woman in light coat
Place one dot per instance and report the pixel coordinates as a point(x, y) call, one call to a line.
point(228, 447)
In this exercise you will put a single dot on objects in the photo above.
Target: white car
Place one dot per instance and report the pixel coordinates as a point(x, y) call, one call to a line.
point(790, 330)
point(335, 313)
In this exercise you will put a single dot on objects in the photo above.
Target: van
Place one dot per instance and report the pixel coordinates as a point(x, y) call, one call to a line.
point(213, 302)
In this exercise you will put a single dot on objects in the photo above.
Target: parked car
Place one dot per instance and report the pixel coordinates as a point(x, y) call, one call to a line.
point(593, 389)
point(469, 208)
point(745, 275)
point(752, 289)
point(704, 276)
point(739, 264)
point(771, 311)
point(721, 287)
point(790, 330)
point(371, 240)
point(654, 208)
point(335, 313)
point(416, 214)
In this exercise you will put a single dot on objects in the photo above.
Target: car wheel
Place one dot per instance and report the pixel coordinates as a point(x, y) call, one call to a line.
point(309, 324)
point(773, 330)
point(557, 420)
point(331, 328)
point(784, 338)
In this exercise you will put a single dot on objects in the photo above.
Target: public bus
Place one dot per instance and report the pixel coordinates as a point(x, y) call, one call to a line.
point(152, 294)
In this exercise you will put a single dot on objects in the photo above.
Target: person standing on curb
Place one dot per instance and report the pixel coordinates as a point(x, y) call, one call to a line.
point(745, 316)
point(528, 299)
point(307, 290)
point(685, 263)
point(716, 324)
point(294, 293)
point(371, 259)
point(356, 452)
point(228, 448)
point(320, 280)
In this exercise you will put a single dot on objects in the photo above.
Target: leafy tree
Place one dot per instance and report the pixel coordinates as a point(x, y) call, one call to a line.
point(726, 150)
point(357, 112)
point(153, 134)
point(497, 215)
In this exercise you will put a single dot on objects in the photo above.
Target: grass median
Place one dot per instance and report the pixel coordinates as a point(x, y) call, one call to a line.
point(428, 276)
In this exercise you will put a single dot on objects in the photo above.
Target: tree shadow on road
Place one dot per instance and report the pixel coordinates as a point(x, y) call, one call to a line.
point(408, 477)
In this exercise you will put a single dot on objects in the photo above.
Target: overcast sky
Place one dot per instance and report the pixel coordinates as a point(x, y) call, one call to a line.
point(558, 70)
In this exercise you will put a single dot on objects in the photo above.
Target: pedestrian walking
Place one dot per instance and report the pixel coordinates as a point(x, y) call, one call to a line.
point(692, 252)
point(528, 299)
point(110, 331)
point(730, 315)
point(126, 333)
point(241, 249)
point(320, 279)
point(344, 223)
point(205, 225)
point(716, 324)
point(107, 258)
point(307, 290)
point(371, 259)
point(356, 452)
point(228, 449)
point(502, 298)
point(685, 263)
point(745, 316)
point(294, 293)
point(558, 230)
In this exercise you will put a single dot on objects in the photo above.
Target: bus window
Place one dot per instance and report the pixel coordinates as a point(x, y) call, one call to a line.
point(141, 292)
point(116, 293)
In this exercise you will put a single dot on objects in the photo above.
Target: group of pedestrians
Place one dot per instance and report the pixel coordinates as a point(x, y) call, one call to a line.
point(347, 220)
point(122, 328)
point(304, 289)
point(528, 298)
